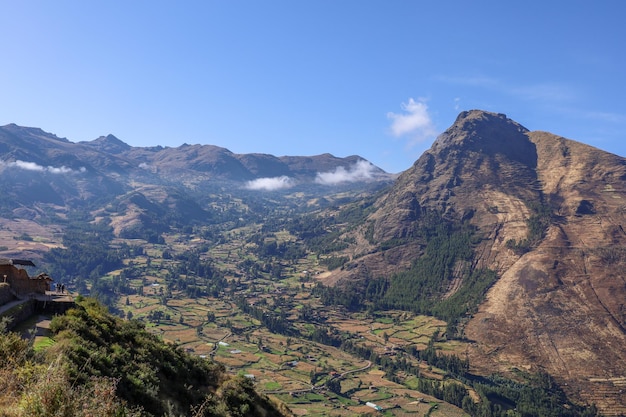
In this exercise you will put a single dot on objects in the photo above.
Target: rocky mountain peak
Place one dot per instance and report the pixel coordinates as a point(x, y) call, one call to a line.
point(488, 133)
point(480, 153)
point(30, 133)
point(109, 143)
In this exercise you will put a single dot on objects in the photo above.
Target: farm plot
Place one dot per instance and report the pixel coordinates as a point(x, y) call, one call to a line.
point(288, 366)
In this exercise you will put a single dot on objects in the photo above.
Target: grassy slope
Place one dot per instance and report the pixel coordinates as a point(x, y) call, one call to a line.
point(101, 365)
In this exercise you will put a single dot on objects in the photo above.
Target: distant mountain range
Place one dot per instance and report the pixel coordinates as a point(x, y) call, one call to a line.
point(34, 149)
point(44, 178)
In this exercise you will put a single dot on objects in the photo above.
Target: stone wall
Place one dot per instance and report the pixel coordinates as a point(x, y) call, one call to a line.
point(53, 307)
point(28, 308)
point(19, 313)
point(5, 293)
point(21, 283)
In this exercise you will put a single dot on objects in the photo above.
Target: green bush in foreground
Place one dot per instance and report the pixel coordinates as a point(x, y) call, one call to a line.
point(103, 366)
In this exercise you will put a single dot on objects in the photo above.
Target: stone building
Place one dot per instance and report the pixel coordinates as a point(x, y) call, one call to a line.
point(21, 284)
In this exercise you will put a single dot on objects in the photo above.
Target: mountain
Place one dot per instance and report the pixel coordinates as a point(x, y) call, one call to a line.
point(36, 150)
point(513, 239)
point(548, 217)
point(144, 191)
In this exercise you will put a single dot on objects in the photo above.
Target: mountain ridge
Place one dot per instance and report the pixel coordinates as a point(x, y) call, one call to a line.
point(44, 179)
point(109, 152)
point(550, 213)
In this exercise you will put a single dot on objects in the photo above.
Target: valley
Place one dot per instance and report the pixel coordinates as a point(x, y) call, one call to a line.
point(486, 280)
point(250, 297)
point(311, 377)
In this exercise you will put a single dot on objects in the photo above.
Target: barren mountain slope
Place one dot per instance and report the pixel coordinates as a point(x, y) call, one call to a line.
point(466, 169)
point(561, 306)
point(559, 303)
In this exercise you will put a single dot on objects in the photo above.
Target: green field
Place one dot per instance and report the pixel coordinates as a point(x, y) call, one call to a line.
point(293, 369)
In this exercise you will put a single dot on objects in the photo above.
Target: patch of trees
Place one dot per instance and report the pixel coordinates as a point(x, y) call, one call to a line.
point(537, 225)
point(452, 364)
point(251, 268)
point(190, 263)
point(149, 232)
point(286, 250)
point(465, 300)
point(334, 262)
point(349, 296)
point(273, 321)
point(86, 254)
point(196, 276)
point(356, 213)
point(533, 395)
point(418, 288)
point(391, 243)
point(322, 234)
point(325, 335)
point(448, 256)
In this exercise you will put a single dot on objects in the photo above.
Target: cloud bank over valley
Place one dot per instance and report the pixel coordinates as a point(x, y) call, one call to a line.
point(270, 184)
point(360, 171)
point(32, 166)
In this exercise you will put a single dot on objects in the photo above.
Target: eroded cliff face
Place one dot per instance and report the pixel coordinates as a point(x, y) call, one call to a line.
point(559, 304)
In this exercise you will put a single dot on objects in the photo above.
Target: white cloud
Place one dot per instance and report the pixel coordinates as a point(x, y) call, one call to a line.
point(29, 166)
point(32, 166)
point(414, 122)
point(60, 170)
point(270, 184)
point(143, 165)
point(360, 171)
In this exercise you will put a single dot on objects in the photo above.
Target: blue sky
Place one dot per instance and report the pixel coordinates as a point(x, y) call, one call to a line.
point(379, 79)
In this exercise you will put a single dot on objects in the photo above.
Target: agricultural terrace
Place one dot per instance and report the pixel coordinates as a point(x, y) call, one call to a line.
point(287, 362)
